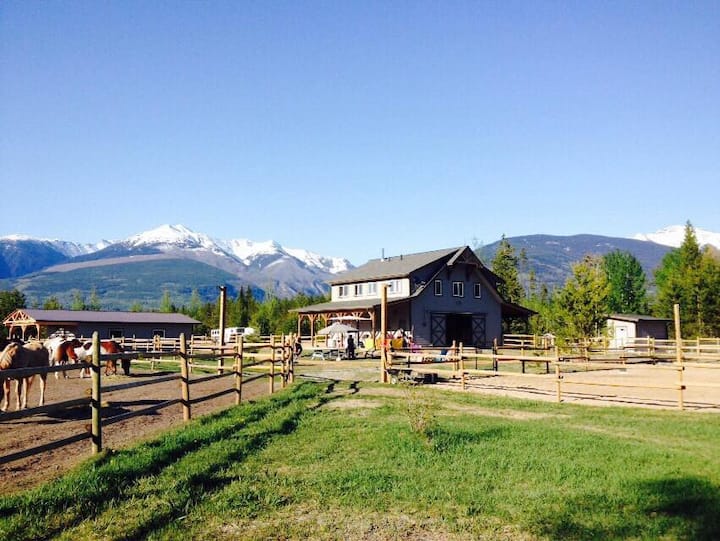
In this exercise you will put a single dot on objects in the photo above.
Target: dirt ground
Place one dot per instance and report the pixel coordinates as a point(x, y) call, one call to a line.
point(20, 434)
point(613, 387)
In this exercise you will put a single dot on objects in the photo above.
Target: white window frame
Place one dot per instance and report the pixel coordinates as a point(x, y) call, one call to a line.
point(458, 289)
point(358, 290)
point(438, 288)
point(477, 290)
point(343, 291)
point(372, 288)
point(393, 286)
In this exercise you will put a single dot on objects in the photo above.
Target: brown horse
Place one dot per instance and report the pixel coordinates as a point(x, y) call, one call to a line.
point(30, 355)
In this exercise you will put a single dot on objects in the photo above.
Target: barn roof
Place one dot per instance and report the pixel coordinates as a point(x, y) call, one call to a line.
point(403, 265)
point(87, 316)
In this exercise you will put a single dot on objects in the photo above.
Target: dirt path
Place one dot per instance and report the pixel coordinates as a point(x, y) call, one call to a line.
point(18, 435)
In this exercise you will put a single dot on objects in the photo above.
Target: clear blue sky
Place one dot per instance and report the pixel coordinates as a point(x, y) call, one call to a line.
point(349, 127)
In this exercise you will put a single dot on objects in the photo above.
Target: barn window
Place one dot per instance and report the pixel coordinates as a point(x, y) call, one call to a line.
point(477, 290)
point(458, 289)
point(115, 333)
point(343, 291)
point(438, 288)
point(394, 286)
point(372, 288)
point(159, 332)
point(358, 290)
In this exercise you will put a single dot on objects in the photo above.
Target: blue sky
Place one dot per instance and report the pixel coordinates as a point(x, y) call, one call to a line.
point(347, 128)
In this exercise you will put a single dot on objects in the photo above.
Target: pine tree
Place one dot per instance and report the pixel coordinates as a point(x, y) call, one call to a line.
point(680, 280)
point(505, 265)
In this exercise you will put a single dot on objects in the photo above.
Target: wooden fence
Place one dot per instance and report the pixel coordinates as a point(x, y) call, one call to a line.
point(246, 362)
point(461, 365)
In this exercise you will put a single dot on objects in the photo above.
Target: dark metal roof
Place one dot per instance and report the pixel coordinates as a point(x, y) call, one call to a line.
point(635, 318)
point(86, 316)
point(394, 267)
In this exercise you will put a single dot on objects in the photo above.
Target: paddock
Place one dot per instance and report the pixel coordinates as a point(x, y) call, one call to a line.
point(39, 443)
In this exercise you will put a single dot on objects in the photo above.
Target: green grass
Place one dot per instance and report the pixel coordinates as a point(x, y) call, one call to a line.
point(349, 461)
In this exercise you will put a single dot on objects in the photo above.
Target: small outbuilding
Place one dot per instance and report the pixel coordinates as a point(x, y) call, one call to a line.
point(624, 328)
point(26, 323)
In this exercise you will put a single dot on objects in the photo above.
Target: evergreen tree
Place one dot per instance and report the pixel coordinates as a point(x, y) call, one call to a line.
point(583, 300)
point(78, 301)
point(52, 303)
point(683, 278)
point(9, 302)
point(166, 305)
point(505, 265)
point(94, 303)
point(627, 281)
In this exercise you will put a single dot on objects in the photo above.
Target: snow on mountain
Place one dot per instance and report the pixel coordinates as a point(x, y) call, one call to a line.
point(245, 251)
point(333, 265)
point(67, 248)
point(675, 234)
point(177, 236)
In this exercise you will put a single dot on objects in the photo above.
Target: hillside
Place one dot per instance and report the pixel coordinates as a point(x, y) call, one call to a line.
point(551, 257)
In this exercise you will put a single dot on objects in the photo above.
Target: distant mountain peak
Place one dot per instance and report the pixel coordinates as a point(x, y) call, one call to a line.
point(675, 234)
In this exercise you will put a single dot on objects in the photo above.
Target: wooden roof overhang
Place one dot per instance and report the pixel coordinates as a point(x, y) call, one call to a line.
point(368, 309)
point(21, 319)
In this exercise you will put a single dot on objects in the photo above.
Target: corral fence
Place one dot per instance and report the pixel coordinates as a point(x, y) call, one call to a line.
point(471, 366)
point(243, 362)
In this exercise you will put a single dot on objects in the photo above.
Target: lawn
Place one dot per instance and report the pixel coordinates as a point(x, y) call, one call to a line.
point(366, 461)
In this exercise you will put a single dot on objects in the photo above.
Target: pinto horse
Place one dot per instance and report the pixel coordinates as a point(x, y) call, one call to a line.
point(62, 351)
point(106, 347)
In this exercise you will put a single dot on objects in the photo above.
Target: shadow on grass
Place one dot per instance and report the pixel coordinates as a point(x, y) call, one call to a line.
point(85, 493)
point(674, 508)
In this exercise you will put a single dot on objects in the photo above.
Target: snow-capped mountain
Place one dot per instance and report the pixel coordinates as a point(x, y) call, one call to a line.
point(67, 248)
point(675, 234)
point(249, 253)
point(168, 254)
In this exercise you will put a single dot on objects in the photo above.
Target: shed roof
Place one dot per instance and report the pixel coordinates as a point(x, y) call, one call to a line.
point(636, 318)
point(86, 316)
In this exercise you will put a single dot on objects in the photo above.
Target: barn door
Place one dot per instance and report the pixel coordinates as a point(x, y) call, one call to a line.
point(437, 329)
point(478, 331)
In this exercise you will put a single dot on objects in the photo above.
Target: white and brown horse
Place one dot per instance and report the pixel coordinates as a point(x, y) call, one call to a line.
point(16, 355)
point(62, 351)
point(106, 347)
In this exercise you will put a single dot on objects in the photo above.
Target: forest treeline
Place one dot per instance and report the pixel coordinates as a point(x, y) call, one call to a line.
point(599, 286)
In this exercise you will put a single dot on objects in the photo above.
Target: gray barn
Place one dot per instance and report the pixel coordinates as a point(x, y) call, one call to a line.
point(28, 322)
point(440, 297)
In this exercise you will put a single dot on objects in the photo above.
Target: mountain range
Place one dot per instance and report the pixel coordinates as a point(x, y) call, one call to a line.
point(175, 259)
point(171, 257)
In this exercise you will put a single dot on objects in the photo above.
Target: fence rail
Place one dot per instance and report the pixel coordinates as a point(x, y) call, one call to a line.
point(270, 359)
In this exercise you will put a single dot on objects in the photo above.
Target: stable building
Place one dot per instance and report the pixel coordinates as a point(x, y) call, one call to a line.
point(625, 328)
point(439, 297)
point(25, 323)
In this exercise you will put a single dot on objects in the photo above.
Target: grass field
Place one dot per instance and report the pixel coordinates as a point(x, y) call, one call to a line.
point(365, 461)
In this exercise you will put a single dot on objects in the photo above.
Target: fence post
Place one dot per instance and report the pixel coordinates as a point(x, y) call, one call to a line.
point(184, 379)
point(238, 370)
point(558, 378)
point(95, 398)
point(679, 356)
point(462, 367)
point(271, 387)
